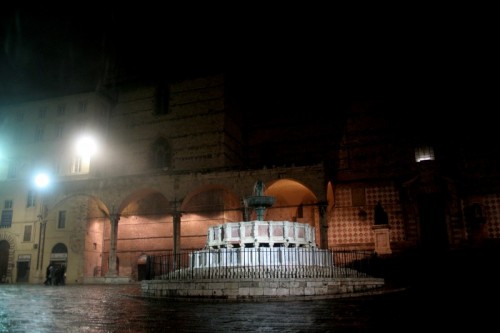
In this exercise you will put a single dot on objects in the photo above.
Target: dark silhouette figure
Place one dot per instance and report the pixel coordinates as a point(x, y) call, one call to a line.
point(61, 272)
point(380, 215)
point(55, 275)
point(49, 276)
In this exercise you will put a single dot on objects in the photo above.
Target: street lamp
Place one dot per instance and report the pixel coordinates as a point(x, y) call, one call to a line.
point(42, 182)
point(86, 148)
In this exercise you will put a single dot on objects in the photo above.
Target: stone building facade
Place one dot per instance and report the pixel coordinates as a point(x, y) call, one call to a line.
point(175, 158)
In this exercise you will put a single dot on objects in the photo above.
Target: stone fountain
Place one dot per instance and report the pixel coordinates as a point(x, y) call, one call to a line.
point(260, 233)
point(257, 259)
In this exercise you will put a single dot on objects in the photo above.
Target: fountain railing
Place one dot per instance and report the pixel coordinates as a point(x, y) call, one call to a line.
point(263, 262)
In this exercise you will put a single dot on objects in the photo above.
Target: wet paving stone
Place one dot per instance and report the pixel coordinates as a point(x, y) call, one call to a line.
point(119, 308)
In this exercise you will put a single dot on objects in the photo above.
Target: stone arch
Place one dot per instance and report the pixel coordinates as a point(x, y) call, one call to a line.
point(211, 199)
point(294, 201)
point(86, 220)
point(145, 226)
point(207, 206)
point(7, 257)
point(59, 260)
point(95, 206)
point(145, 201)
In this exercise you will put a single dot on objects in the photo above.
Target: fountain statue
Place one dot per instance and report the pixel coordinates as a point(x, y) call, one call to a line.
point(259, 202)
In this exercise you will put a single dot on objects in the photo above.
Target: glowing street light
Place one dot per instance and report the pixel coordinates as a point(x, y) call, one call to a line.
point(42, 180)
point(86, 146)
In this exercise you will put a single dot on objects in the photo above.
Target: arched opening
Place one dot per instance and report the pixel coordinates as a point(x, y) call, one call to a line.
point(206, 207)
point(58, 260)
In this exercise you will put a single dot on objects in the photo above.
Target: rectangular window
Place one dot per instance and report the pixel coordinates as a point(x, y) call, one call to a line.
point(39, 134)
point(19, 135)
point(27, 233)
point(57, 168)
point(42, 112)
point(300, 211)
point(12, 171)
point(82, 107)
point(6, 221)
point(358, 196)
point(61, 221)
point(162, 98)
point(7, 204)
point(61, 110)
point(31, 202)
point(77, 165)
point(59, 131)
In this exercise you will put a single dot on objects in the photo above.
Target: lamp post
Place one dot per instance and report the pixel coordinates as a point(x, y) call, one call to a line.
point(42, 182)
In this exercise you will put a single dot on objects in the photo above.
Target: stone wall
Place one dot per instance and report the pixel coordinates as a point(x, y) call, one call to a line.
point(254, 289)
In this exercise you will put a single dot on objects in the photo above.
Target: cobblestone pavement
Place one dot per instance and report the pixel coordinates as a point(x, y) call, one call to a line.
point(119, 308)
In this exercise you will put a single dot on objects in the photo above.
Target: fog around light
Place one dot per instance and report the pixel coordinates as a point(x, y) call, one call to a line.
point(42, 180)
point(86, 146)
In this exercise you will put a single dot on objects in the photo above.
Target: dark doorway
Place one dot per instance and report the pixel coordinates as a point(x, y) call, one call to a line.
point(433, 230)
point(23, 271)
point(4, 260)
point(143, 268)
point(59, 260)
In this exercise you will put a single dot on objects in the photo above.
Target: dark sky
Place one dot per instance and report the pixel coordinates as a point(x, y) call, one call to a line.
point(291, 60)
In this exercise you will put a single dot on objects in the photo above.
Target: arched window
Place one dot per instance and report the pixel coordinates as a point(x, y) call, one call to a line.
point(162, 99)
point(161, 154)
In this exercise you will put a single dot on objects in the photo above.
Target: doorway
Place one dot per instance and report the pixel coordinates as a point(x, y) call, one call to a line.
point(23, 271)
point(143, 268)
point(433, 229)
point(4, 261)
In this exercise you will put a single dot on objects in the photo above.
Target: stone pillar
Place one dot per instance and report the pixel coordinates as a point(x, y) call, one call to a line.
point(323, 222)
point(43, 230)
point(113, 240)
point(382, 239)
point(41, 240)
point(177, 237)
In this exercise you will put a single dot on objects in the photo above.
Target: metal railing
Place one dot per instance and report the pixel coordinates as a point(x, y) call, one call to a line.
point(249, 263)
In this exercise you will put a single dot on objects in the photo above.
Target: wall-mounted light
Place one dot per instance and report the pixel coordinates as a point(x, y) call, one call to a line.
point(86, 146)
point(424, 153)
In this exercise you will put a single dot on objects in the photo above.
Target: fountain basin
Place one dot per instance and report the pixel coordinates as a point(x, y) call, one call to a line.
point(261, 234)
point(260, 201)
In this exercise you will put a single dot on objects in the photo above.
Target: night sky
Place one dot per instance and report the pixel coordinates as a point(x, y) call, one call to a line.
point(284, 61)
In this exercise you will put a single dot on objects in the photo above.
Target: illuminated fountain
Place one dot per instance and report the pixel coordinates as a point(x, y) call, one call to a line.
point(257, 259)
point(260, 233)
